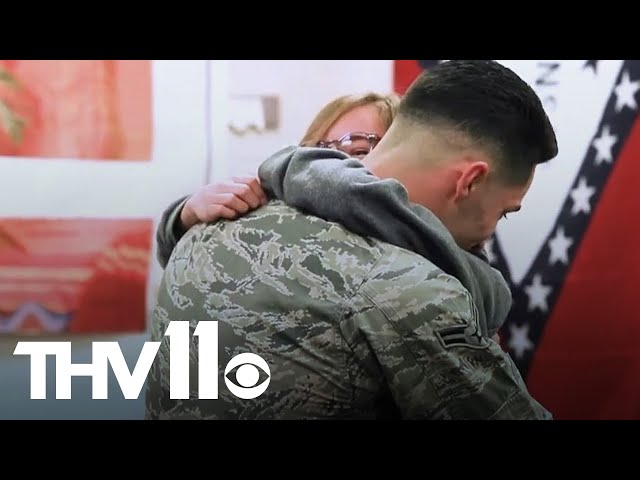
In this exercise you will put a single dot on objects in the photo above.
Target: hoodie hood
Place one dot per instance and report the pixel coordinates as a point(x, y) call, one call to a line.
point(331, 185)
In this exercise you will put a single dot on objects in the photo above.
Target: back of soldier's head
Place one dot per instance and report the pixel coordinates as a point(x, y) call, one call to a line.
point(489, 105)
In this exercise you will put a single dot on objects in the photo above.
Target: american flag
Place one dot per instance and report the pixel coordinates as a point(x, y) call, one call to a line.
point(571, 257)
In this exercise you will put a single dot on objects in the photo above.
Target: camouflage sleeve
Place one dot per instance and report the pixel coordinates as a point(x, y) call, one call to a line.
point(420, 336)
point(169, 231)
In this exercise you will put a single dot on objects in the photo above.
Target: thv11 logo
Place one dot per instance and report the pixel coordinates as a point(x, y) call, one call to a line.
point(131, 383)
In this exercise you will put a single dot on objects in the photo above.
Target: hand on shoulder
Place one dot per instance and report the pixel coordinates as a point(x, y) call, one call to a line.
point(228, 199)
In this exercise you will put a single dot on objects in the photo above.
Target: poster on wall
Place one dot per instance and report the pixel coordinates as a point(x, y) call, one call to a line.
point(73, 275)
point(79, 109)
point(59, 272)
point(570, 255)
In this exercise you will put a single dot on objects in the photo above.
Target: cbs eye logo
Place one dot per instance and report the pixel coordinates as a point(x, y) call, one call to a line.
point(248, 381)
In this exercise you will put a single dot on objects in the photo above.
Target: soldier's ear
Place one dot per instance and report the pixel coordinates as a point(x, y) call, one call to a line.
point(471, 174)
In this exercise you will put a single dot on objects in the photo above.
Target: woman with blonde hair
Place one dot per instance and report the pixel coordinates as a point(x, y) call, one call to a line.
point(353, 124)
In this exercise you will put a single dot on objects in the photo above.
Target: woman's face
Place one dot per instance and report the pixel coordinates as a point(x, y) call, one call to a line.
point(364, 120)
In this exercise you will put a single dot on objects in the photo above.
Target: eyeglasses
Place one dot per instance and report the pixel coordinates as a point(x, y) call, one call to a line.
point(354, 144)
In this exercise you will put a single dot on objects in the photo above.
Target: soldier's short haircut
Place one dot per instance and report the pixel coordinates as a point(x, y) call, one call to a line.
point(491, 105)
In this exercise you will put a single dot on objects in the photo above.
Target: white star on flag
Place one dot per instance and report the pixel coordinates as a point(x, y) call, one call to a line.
point(625, 93)
point(603, 145)
point(559, 246)
point(519, 341)
point(580, 196)
point(537, 293)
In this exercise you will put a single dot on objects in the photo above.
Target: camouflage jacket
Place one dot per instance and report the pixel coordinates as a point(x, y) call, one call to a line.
point(350, 327)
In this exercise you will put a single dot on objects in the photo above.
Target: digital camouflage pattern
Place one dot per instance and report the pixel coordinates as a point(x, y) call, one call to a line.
point(351, 327)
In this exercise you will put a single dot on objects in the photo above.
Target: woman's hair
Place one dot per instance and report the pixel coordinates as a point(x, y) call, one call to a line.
point(320, 125)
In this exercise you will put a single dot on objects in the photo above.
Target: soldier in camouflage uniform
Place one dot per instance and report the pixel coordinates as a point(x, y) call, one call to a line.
point(364, 303)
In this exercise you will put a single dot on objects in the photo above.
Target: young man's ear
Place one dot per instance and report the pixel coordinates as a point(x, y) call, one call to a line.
point(471, 174)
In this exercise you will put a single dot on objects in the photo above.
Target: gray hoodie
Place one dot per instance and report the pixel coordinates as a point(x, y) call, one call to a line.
point(331, 185)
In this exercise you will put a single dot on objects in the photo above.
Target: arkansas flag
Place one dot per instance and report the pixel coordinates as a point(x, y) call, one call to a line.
point(571, 255)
